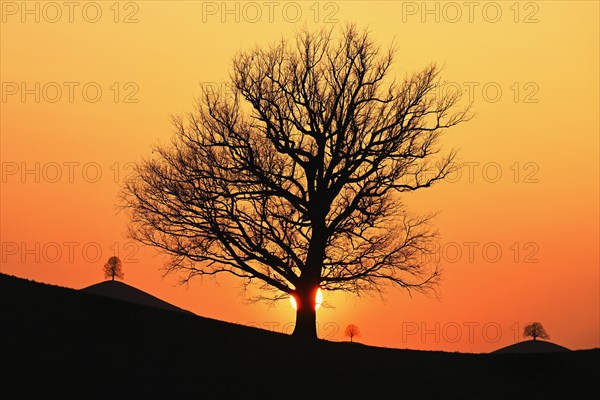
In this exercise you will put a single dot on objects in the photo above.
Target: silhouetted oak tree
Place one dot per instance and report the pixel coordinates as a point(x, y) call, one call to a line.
point(293, 180)
point(535, 330)
point(114, 268)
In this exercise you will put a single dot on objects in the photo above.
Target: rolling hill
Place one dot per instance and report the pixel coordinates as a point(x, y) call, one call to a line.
point(59, 343)
point(532, 346)
point(122, 291)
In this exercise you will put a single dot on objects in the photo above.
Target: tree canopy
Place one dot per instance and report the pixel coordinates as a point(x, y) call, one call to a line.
point(535, 330)
point(352, 331)
point(114, 268)
point(294, 181)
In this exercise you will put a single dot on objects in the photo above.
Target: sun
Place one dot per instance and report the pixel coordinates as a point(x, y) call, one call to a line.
point(318, 300)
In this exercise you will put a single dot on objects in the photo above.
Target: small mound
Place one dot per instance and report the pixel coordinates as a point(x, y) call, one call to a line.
point(121, 291)
point(532, 346)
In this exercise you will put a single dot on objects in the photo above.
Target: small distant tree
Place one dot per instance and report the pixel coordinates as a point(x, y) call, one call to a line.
point(114, 268)
point(352, 331)
point(535, 330)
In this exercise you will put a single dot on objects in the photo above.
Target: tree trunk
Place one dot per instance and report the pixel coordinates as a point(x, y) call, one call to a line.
point(306, 290)
point(306, 315)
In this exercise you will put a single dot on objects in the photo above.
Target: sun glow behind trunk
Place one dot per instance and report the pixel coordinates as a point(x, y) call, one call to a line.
point(318, 300)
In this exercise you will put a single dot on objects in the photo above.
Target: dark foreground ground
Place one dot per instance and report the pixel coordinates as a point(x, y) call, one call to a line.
point(59, 343)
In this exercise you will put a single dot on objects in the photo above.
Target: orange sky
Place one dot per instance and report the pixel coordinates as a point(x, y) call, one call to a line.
point(88, 87)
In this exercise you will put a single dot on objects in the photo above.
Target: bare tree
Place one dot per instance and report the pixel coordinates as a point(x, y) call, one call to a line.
point(352, 331)
point(114, 268)
point(294, 180)
point(535, 330)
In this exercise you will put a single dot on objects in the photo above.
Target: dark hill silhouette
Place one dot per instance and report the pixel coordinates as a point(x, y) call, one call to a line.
point(122, 291)
point(532, 346)
point(59, 343)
